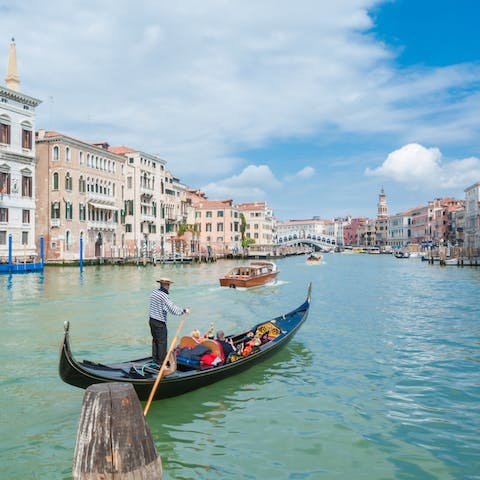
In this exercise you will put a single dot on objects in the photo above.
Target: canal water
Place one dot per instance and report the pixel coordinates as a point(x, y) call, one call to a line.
point(381, 382)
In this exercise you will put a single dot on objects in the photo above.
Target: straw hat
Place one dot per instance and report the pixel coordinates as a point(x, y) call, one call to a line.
point(164, 280)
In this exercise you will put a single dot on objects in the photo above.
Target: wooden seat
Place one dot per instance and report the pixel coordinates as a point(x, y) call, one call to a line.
point(188, 341)
point(215, 348)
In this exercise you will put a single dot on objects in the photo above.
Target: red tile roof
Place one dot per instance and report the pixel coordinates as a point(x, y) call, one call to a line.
point(121, 150)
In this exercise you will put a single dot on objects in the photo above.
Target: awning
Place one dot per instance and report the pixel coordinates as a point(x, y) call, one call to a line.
point(101, 205)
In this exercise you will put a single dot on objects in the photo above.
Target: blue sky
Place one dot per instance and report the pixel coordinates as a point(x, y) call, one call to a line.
point(312, 106)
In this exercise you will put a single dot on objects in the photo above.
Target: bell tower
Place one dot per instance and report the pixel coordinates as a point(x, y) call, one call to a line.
point(382, 208)
point(12, 81)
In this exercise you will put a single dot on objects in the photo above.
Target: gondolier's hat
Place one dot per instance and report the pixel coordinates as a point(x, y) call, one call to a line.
point(164, 280)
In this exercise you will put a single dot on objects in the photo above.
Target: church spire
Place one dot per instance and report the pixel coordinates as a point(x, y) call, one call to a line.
point(12, 81)
point(382, 208)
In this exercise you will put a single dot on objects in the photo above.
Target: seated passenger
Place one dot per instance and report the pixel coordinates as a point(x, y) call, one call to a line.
point(209, 334)
point(196, 335)
point(255, 341)
point(227, 345)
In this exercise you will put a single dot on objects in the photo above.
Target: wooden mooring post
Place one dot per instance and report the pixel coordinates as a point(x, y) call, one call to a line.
point(113, 439)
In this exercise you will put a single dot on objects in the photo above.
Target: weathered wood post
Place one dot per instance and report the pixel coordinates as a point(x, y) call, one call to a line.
point(113, 439)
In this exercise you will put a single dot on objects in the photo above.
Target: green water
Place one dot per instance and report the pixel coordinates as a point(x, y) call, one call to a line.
point(382, 381)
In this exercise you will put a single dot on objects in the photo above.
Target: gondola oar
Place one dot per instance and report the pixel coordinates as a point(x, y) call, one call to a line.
point(164, 364)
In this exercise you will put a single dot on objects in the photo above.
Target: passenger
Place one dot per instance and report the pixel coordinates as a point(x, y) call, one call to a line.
point(209, 334)
point(196, 334)
point(227, 345)
point(255, 341)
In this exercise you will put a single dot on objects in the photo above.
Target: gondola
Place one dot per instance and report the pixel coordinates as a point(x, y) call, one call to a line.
point(182, 376)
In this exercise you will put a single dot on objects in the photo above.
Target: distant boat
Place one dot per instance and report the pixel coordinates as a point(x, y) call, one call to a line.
point(176, 258)
point(401, 254)
point(252, 275)
point(452, 261)
point(314, 259)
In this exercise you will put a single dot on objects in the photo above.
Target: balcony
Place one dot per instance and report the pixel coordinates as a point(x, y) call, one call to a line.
point(54, 222)
point(100, 198)
point(147, 191)
point(147, 218)
point(101, 225)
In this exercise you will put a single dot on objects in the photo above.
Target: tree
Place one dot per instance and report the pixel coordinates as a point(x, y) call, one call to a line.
point(243, 227)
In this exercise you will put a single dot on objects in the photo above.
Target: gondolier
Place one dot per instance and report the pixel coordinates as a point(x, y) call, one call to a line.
point(160, 305)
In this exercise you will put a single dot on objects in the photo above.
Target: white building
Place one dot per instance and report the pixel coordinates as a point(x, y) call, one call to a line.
point(144, 196)
point(472, 216)
point(399, 229)
point(260, 222)
point(17, 165)
point(176, 210)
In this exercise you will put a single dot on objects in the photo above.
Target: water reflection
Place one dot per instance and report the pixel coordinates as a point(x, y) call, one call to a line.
point(203, 427)
point(216, 401)
point(380, 382)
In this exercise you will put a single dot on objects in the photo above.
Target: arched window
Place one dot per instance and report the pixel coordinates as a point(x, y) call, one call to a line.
point(67, 154)
point(68, 181)
point(68, 210)
point(55, 181)
point(56, 153)
point(81, 184)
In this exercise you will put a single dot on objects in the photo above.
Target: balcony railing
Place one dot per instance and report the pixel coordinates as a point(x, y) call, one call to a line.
point(147, 190)
point(54, 222)
point(101, 225)
point(147, 218)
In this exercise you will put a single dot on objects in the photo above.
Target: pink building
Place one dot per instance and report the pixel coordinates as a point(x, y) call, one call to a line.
point(351, 231)
point(440, 218)
point(79, 196)
point(218, 224)
point(419, 232)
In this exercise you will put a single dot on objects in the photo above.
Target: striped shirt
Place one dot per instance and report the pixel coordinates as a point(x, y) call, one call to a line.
point(160, 305)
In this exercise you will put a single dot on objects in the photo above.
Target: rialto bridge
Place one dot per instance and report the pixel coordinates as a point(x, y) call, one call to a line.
point(320, 241)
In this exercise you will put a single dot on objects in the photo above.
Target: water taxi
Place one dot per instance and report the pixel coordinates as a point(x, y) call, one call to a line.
point(251, 275)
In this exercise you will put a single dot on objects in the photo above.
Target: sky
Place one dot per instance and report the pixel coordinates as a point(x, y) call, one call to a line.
point(312, 106)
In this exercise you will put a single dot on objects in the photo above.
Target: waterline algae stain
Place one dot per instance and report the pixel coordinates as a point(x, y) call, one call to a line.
point(380, 382)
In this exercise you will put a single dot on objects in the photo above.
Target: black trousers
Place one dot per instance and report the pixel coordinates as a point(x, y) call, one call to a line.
point(159, 340)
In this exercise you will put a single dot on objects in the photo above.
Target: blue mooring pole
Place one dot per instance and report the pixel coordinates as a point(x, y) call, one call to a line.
point(10, 251)
point(42, 250)
point(81, 254)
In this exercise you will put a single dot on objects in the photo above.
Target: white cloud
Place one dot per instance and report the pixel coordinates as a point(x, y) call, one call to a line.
point(252, 184)
point(207, 78)
point(200, 82)
point(304, 173)
point(417, 166)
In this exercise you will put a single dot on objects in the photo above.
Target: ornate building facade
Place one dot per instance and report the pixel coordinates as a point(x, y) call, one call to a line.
point(17, 166)
point(80, 195)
